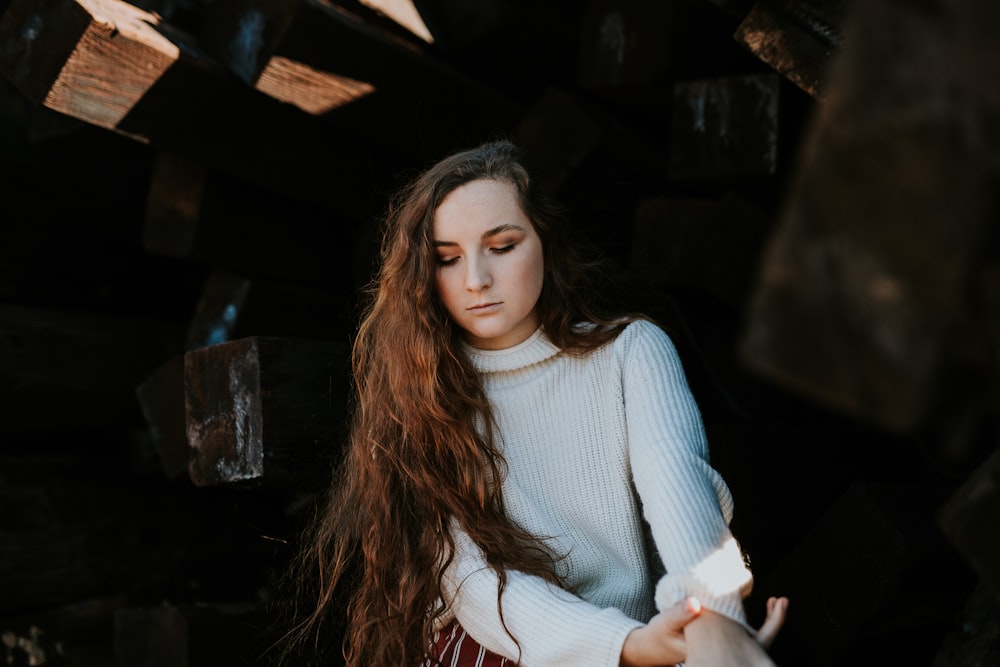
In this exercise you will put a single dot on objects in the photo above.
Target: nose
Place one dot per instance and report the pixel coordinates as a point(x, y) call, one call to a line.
point(478, 276)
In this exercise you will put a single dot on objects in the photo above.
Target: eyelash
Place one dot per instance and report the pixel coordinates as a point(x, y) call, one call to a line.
point(496, 251)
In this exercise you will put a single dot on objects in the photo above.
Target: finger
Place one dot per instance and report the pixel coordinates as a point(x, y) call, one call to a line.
point(682, 613)
point(776, 609)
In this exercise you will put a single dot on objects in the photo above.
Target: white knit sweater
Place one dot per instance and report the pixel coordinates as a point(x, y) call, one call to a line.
point(596, 446)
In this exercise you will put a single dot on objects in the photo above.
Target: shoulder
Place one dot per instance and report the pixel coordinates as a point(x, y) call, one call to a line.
point(644, 341)
point(643, 331)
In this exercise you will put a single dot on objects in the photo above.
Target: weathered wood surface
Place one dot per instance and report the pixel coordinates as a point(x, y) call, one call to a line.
point(624, 44)
point(875, 294)
point(404, 13)
point(161, 398)
point(174, 205)
point(725, 127)
point(329, 62)
point(108, 63)
point(797, 39)
point(265, 411)
point(60, 207)
point(458, 26)
point(233, 306)
point(90, 59)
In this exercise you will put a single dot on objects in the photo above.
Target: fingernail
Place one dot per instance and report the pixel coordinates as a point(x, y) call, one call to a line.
point(693, 605)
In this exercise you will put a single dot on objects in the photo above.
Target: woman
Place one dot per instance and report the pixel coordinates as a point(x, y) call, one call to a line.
point(527, 476)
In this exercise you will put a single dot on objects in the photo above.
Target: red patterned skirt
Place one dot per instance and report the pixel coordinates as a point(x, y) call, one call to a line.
point(453, 647)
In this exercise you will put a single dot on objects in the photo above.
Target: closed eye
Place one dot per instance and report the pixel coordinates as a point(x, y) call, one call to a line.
point(447, 262)
point(503, 249)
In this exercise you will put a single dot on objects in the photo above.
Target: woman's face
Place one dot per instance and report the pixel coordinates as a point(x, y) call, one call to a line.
point(490, 265)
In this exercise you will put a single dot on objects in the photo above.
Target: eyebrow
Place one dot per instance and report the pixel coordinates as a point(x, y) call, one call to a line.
point(508, 227)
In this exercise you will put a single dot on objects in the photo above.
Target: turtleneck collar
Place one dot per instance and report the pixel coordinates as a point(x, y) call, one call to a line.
point(535, 348)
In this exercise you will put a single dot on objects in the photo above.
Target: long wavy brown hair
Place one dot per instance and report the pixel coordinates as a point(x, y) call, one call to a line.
point(372, 557)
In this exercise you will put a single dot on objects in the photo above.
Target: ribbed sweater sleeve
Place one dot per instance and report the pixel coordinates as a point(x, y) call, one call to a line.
point(685, 501)
point(553, 628)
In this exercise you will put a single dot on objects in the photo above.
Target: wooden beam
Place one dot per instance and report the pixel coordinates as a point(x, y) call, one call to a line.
point(110, 64)
point(233, 305)
point(174, 205)
point(330, 63)
point(90, 59)
point(161, 397)
point(876, 293)
point(624, 44)
point(264, 411)
point(725, 127)
point(797, 39)
point(405, 13)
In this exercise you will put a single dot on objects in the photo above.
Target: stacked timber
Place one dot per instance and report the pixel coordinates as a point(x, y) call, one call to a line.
point(799, 191)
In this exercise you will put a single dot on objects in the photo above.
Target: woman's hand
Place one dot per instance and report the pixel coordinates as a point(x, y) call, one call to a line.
point(661, 641)
point(719, 640)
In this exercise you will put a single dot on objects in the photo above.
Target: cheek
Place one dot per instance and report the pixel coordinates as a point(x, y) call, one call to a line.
point(442, 290)
point(535, 272)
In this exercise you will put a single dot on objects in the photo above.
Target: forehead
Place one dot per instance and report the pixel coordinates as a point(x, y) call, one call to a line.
point(479, 205)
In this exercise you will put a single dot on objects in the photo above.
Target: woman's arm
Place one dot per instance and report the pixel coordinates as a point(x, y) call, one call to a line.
point(551, 625)
point(685, 501)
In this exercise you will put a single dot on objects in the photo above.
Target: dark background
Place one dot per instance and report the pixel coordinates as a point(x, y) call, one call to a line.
point(745, 202)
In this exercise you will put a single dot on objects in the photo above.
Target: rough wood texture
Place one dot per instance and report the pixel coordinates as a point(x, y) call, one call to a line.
point(797, 39)
point(874, 294)
point(405, 14)
point(328, 62)
point(107, 63)
point(624, 43)
point(287, 202)
point(725, 127)
point(90, 59)
point(174, 206)
point(265, 411)
point(161, 397)
point(235, 306)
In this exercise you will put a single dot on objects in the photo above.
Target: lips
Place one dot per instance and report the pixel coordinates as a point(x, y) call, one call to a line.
point(484, 307)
